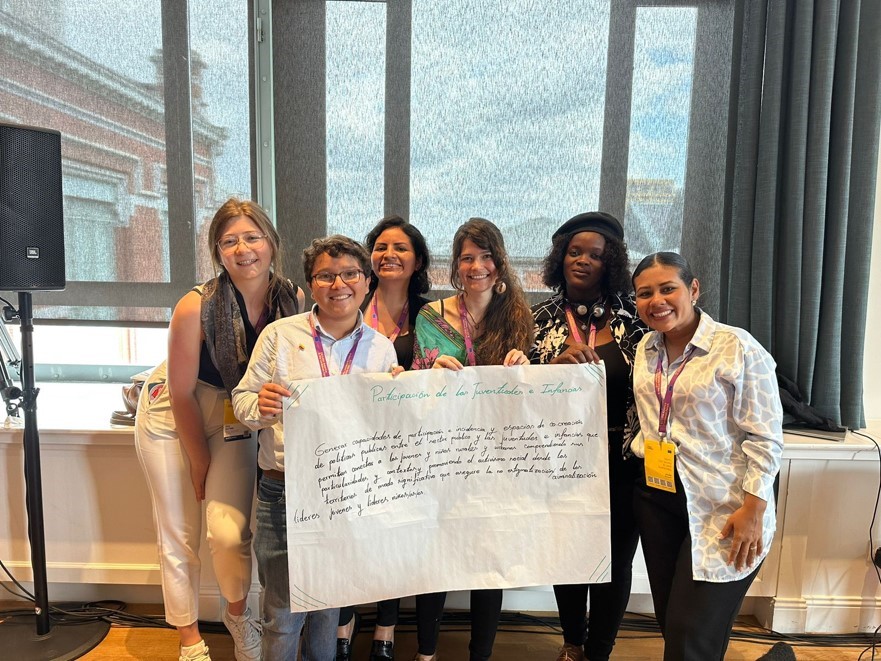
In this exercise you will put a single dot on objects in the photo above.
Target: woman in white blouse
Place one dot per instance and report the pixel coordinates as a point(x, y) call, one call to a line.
point(711, 435)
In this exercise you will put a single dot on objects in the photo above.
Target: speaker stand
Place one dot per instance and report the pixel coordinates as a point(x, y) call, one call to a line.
point(32, 637)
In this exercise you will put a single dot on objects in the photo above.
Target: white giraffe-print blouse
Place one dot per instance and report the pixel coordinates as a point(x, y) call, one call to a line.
point(726, 421)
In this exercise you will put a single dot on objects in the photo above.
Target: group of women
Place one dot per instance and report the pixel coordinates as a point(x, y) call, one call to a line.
point(694, 422)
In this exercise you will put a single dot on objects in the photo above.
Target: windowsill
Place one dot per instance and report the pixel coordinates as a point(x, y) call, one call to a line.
point(79, 413)
point(76, 407)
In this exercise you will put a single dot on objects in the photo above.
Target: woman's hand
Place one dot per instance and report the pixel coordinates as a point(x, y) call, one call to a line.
point(270, 399)
point(515, 357)
point(745, 529)
point(447, 362)
point(199, 471)
point(395, 370)
point(576, 354)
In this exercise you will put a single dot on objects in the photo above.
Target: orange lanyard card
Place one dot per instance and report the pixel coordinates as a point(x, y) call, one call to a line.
point(660, 464)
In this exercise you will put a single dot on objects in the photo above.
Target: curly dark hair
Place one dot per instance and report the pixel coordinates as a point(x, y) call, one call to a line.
point(508, 322)
point(419, 282)
point(616, 274)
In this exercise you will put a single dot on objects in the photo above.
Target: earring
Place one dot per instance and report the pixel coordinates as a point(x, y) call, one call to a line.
point(694, 302)
point(501, 287)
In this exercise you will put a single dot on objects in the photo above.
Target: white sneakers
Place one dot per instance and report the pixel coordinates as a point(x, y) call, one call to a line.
point(197, 652)
point(246, 634)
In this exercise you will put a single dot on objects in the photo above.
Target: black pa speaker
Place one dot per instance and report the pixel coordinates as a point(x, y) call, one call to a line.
point(31, 214)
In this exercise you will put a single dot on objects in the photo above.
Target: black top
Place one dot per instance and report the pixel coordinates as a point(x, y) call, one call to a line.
point(403, 342)
point(207, 371)
point(617, 383)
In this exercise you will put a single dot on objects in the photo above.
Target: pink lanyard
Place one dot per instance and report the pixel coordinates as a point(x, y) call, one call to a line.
point(665, 402)
point(573, 329)
point(466, 332)
point(374, 318)
point(322, 359)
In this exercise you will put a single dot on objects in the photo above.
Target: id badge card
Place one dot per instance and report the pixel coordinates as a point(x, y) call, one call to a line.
point(660, 464)
point(233, 430)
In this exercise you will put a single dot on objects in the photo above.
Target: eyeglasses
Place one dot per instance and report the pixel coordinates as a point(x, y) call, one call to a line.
point(251, 240)
point(349, 277)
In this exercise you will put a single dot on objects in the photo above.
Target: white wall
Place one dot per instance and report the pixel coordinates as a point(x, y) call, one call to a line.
point(872, 362)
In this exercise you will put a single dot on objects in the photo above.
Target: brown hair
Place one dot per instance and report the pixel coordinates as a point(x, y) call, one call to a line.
point(508, 322)
point(235, 208)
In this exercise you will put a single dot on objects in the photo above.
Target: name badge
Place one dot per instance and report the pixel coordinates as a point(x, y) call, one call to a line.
point(660, 464)
point(233, 430)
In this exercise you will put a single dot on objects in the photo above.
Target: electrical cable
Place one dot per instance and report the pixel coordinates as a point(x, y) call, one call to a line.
point(873, 551)
point(633, 626)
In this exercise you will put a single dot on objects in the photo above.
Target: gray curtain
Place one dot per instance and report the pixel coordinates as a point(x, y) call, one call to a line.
point(803, 153)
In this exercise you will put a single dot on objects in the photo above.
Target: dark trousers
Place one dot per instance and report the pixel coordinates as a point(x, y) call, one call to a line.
point(386, 613)
point(486, 609)
point(695, 616)
point(608, 601)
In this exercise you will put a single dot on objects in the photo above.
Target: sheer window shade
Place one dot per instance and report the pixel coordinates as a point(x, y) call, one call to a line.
point(151, 99)
point(523, 112)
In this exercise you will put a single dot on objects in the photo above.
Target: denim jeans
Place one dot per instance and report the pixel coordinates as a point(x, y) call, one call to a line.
point(281, 627)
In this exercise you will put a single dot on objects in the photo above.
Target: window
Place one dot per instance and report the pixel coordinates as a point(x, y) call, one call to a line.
point(521, 112)
point(153, 141)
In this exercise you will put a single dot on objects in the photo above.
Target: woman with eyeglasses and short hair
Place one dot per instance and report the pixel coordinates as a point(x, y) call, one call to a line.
point(188, 455)
point(487, 322)
point(332, 339)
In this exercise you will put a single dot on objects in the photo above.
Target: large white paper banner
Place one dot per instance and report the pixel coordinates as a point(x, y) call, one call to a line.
point(491, 477)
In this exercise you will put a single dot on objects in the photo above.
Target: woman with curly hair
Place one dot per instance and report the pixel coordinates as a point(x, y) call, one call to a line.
point(592, 317)
point(487, 322)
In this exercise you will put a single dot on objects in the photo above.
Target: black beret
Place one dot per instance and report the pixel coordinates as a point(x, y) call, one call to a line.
point(593, 221)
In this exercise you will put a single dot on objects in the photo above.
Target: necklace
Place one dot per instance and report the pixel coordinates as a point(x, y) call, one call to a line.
point(473, 321)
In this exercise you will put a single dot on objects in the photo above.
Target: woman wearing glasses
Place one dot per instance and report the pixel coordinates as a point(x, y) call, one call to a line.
point(487, 322)
point(330, 340)
point(400, 260)
point(188, 453)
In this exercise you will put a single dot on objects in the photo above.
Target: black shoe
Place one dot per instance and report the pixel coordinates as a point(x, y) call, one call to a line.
point(344, 645)
point(382, 649)
point(780, 652)
point(343, 649)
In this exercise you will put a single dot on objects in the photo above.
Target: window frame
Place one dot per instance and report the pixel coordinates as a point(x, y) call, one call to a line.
point(298, 130)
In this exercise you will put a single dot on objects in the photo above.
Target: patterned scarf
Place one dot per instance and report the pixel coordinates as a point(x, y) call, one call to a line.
point(225, 331)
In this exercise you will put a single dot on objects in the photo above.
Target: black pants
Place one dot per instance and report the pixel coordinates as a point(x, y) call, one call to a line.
point(695, 616)
point(386, 613)
point(608, 601)
point(486, 609)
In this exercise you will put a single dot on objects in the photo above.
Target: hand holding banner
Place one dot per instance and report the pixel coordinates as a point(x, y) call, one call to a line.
point(434, 480)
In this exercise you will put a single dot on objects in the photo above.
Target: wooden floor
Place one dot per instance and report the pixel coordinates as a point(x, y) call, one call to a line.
point(513, 643)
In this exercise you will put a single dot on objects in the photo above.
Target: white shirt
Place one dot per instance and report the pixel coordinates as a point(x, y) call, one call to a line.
point(726, 420)
point(285, 353)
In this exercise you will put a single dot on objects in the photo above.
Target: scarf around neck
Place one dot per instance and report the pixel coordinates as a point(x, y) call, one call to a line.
point(224, 327)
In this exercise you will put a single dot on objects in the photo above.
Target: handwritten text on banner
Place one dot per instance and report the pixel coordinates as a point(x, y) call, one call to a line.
point(438, 480)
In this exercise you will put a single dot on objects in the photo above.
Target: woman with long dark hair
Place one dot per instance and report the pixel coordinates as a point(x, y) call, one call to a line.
point(487, 322)
point(400, 261)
